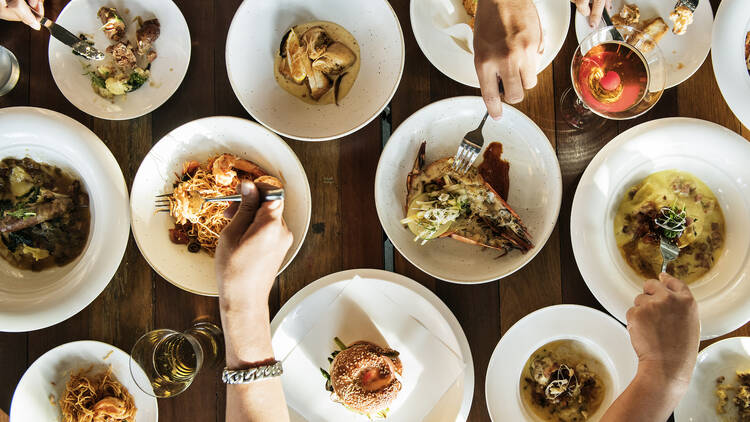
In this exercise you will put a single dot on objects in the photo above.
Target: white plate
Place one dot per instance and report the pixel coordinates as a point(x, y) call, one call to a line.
point(167, 71)
point(714, 154)
point(731, 25)
point(604, 337)
point(48, 375)
point(683, 54)
point(33, 300)
point(535, 185)
point(435, 25)
point(722, 358)
point(253, 43)
point(298, 316)
point(199, 140)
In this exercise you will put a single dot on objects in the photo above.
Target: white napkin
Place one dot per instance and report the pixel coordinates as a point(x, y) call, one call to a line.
point(362, 312)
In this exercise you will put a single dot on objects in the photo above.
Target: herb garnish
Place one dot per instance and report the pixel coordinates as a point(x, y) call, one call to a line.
point(672, 221)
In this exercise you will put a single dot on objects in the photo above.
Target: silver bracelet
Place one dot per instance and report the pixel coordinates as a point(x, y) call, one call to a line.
point(246, 376)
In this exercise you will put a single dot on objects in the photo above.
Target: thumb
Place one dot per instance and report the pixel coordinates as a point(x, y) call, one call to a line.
point(246, 212)
point(26, 16)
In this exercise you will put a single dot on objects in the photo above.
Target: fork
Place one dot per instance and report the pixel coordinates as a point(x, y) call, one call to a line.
point(690, 4)
point(162, 202)
point(469, 148)
point(669, 252)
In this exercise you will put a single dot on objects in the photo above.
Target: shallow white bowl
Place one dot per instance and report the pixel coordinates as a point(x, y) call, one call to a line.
point(299, 315)
point(434, 24)
point(731, 25)
point(535, 185)
point(714, 154)
point(33, 300)
point(603, 337)
point(199, 140)
point(722, 358)
point(253, 43)
point(683, 54)
point(167, 71)
point(48, 375)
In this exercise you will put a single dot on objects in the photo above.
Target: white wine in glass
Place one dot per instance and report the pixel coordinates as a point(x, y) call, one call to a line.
point(171, 359)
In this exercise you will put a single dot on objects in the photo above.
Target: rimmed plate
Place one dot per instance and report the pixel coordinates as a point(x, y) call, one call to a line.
point(535, 185)
point(602, 336)
point(167, 71)
point(199, 140)
point(253, 43)
point(711, 152)
point(722, 358)
point(683, 54)
point(300, 314)
point(45, 381)
point(33, 300)
point(731, 25)
point(443, 35)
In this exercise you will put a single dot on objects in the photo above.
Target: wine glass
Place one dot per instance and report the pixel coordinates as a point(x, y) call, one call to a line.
point(616, 77)
point(171, 359)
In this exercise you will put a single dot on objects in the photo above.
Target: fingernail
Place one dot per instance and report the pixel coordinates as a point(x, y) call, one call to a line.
point(274, 204)
point(245, 188)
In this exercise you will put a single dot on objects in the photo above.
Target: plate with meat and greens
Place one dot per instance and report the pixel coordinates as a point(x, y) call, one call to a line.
point(63, 218)
point(147, 52)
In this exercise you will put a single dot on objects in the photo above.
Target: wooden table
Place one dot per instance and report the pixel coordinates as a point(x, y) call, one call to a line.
point(345, 232)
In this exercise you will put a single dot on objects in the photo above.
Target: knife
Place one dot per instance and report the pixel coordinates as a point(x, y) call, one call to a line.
point(80, 47)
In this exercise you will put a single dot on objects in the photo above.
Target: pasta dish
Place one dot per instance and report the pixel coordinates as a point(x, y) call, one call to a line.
point(198, 223)
point(96, 398)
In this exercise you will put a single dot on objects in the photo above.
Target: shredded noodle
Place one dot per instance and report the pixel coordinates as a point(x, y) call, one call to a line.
point(96, 398)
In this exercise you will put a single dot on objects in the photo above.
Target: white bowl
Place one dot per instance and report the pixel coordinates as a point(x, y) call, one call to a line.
point(48, 375)
point(167, 71)
point(731, 25)
point(199, 140)
point(602, 336)
point(253, 43)
point(535, 185)
point(33, 300)
point(444, 37)
point(302, 311)
point(722, 358)
point(683, 54)
point(716, 155)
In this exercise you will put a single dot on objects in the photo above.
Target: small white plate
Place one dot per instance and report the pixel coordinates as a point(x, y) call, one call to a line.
point(731, 25)
point(167, 71)
point(443, 35)
point(722, 358)
point(711, 152)
point(253, 44)
point(535, 185)
point(301, 313)
point(683, 54)
point(33, 300)
point(47, 377)
point(604, 337)
point(200, 140)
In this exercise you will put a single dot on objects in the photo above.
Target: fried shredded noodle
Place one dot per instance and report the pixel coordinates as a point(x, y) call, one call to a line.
point(96, 398)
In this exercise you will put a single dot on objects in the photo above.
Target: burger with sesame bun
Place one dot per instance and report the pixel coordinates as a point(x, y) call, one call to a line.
point(364, 377)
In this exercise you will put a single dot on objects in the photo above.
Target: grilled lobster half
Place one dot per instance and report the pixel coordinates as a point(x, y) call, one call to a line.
point(484, 218)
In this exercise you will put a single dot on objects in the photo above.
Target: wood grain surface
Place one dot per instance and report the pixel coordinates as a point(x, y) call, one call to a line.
point(345, 232)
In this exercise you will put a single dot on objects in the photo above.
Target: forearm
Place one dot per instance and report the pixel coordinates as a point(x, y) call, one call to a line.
point(650, 397)
point(247, 334)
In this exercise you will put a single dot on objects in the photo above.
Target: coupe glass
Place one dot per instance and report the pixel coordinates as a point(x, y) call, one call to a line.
point(581, 111)
point(171, 359)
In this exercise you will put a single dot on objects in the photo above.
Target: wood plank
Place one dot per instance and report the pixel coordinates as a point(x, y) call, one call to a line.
point(226, 103)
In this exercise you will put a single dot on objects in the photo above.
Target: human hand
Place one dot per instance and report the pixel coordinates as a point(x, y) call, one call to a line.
point(507, 45)
point(22, 10)
point(251, 250)
point(665, 330)
point(593, 9)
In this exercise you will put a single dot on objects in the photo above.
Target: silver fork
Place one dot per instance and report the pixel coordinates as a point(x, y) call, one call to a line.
point(690, 4)
point(669, 252)
point(162, 201)
point(469, 148)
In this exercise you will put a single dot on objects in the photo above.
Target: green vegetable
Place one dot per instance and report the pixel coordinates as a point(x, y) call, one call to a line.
point(325, 373)
point(136, 80)
point(20, 213)
point(339, 343)
point(672, 221)
point(97, 80)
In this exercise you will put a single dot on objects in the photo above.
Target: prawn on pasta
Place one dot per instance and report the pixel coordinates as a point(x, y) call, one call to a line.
point(198, 224)
point(96, 398)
